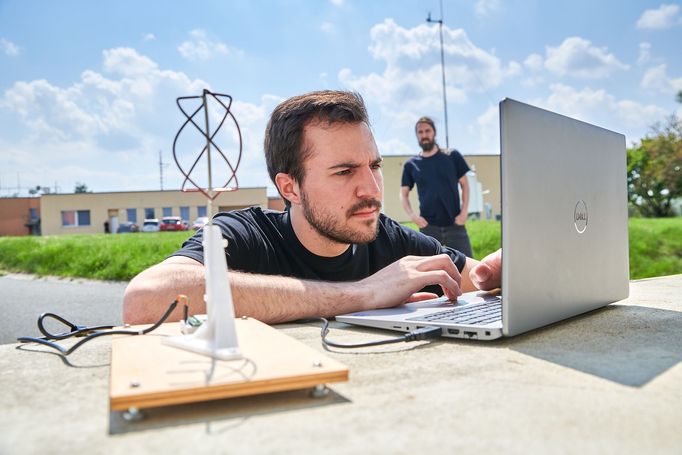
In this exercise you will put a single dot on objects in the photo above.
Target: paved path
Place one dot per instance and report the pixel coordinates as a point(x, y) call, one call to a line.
point(25, 297)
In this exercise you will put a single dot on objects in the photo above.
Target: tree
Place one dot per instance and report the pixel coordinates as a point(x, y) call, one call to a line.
point(655, 170)
point(81, 188)
point(679, 96)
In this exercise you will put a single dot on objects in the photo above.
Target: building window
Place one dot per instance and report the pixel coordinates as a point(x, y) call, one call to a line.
point(184, 213)
point(148, 214)
point(168, 211)
point(132, 215)
point(201, 210)
point(32, 214)
point(75, 218)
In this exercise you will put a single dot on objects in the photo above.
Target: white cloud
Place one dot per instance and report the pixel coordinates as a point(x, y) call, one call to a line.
point(416, 52)
point(487, 129)
point(336, 2)
point(657, 79)
point(485, 7)
point(665, 16)
point(9, 48)
point(200, 47)
point(534, 62)
point(601, 108)
point(327, 27)
point(114, 122)
point(410, 83)
point(644, 53)
point(149, 37)
point(577, 57)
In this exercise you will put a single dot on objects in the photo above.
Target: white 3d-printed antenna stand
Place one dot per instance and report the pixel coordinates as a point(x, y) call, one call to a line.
point(217, 336)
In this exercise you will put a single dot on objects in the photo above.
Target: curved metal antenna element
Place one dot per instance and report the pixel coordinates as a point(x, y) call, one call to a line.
point(224, 103)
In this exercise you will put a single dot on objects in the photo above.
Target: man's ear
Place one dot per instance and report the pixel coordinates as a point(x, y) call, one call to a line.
point(288, 188)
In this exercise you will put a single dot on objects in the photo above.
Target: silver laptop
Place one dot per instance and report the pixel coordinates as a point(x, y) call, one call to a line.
point(564, 232)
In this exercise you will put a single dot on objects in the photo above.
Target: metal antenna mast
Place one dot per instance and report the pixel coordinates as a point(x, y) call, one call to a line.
point(442, 64)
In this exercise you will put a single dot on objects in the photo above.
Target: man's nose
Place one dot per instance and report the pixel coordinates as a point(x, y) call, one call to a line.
point(369, 184)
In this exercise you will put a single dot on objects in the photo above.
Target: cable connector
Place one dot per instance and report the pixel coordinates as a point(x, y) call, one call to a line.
point(424, 333)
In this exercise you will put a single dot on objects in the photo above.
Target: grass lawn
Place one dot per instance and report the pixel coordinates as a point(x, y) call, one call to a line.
point(655, 250)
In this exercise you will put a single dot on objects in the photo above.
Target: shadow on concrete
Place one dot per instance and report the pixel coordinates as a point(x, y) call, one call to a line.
point(627, 344)
point(221, 416)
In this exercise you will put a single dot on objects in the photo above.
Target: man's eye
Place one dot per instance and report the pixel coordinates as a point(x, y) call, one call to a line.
point(344, 172)
point(376, 166)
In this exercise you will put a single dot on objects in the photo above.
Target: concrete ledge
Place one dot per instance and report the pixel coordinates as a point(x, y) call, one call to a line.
point(606, 382)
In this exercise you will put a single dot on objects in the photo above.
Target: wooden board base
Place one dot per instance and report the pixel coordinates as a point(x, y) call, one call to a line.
point(146, 373)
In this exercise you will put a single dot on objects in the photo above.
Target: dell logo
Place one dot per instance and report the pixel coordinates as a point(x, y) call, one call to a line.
point(580, 217)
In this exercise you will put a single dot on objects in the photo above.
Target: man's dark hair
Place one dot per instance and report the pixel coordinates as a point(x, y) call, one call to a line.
point(284, 148)
point(426, 120)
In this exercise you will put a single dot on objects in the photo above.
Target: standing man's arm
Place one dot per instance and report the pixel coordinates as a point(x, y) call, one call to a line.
point(464, 212)
point(407, 206)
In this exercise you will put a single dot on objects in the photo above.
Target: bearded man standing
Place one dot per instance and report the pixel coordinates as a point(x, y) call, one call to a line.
point(438, 175)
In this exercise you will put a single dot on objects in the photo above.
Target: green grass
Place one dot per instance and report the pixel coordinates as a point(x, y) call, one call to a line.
point(98, 256)
point(655, 250)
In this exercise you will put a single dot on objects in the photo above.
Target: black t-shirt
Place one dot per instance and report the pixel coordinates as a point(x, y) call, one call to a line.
point(264, 242)
point(437, 178)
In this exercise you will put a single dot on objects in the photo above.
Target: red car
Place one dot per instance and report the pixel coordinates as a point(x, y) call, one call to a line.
point(172, 223)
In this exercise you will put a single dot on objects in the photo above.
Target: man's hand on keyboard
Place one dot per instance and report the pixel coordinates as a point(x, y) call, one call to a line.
point(487, 274)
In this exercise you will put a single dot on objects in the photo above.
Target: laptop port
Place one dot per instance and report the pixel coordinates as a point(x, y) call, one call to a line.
point(470, 334)
point(453, 331)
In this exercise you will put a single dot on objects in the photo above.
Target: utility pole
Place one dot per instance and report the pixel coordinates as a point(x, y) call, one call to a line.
point(442, 64)
point(161, 166)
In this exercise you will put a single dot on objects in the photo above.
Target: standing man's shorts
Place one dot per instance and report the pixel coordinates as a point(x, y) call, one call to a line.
point(454, 236)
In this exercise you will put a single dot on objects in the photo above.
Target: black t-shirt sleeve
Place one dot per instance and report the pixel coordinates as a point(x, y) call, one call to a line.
point(237, 228)
point(461, 165)
point(407, 178)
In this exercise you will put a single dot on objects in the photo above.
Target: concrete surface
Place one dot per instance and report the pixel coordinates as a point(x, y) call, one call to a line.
point(606, 382)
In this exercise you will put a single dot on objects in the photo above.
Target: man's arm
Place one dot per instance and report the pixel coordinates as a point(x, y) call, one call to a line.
point(407, 206)
point(464, 212)
point(274, 299)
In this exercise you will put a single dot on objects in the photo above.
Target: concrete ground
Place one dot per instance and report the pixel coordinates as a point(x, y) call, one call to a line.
point(606, 382)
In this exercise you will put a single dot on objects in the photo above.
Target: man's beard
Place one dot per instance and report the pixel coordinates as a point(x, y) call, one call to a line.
point(427, 145)
point(335, 229)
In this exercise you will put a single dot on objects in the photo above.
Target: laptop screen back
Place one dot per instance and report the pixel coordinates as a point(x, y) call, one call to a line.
point(564, 220)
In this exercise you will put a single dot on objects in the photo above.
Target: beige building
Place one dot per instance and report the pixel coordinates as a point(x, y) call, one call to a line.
point(86, 213)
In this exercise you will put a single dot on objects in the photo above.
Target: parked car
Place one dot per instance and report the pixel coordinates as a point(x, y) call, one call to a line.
point(199, 222)
point(127, 226)
point(151, 225)
point(172, 223)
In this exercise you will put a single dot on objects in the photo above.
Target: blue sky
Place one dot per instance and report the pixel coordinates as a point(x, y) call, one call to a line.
point(87, 89)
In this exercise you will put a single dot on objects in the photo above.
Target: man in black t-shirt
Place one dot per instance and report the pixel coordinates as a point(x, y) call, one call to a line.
point(331, 251)
point(438, 175)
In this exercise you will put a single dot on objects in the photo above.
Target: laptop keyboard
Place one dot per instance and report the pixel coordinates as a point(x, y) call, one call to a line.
point(475, 313)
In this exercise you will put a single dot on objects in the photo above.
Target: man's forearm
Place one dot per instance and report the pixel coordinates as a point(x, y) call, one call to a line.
point(270, 299)
point(274, 299)
point(465, 196)
point(405, 202)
